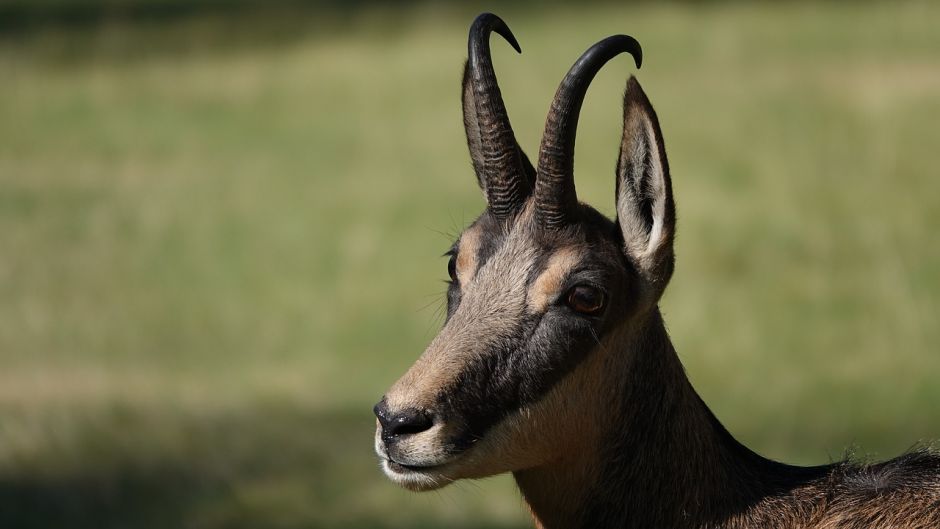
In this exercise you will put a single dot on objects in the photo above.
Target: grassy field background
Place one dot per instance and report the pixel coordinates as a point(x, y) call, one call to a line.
point(220, 240)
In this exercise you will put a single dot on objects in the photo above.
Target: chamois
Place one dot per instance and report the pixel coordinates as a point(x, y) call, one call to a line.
point(554, 362)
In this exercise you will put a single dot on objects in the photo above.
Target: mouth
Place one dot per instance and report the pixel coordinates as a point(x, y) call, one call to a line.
point(402, 468)
point(388, 462)
point(416, 478)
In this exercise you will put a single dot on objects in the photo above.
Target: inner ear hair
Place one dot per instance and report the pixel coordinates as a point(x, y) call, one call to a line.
point(635, 168)
point(645, 209)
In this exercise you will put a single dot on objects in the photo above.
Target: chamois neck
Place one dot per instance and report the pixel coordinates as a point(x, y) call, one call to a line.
point(660, 457)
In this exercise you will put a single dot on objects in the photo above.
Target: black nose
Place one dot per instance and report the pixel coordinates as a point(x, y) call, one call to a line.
point(405, 422)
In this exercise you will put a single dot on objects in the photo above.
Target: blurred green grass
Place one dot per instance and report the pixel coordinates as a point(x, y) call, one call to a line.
point(221, 236)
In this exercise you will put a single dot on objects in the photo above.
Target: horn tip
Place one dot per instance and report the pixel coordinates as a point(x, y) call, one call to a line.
point(632, 46)
point(489, 22)
point(504, 31)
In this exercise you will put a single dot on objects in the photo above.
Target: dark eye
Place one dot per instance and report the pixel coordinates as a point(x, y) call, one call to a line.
point(452, 267)
point(585, 299)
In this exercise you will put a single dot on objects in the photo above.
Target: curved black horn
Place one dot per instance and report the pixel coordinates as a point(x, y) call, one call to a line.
point(555, 195)
point(503, 173)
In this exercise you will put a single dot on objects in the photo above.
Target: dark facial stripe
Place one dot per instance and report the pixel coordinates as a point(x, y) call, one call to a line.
point(517, 373)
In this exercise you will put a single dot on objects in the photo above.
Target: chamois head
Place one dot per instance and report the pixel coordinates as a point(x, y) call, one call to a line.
point(538, 283)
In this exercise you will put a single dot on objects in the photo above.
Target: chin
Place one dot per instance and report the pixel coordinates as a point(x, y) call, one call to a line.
point(415, 477)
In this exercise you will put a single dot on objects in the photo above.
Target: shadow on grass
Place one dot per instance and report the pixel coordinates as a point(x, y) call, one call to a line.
point(277, 468)
point(132, 498)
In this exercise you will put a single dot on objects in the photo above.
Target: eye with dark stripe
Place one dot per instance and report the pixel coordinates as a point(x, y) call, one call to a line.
point(585, 299)
point(452, 267)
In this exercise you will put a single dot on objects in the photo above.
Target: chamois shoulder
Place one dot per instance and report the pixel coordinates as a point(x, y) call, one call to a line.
point(901, 492)
point(917, 469)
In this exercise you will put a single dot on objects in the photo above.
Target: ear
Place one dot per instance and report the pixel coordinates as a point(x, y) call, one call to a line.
point(474, 135)
point(646, 212)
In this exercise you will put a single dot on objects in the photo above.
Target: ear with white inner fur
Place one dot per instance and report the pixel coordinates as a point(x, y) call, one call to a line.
point(646, 212)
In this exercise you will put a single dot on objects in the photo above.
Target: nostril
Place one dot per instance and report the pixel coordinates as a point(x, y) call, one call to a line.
point(405, 422)
point(410, 422)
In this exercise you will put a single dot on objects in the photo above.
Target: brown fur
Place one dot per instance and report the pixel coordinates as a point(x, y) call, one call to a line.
point(684, 462)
